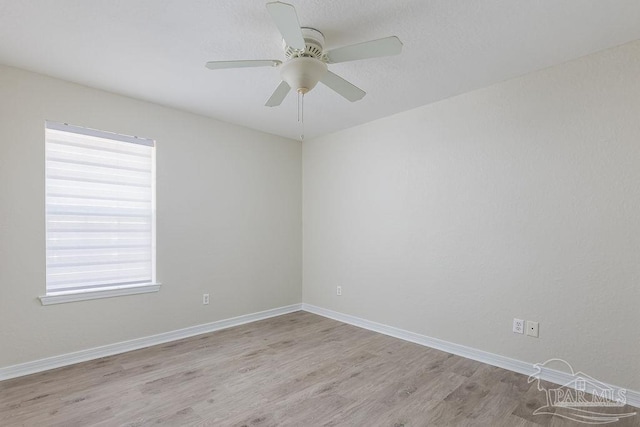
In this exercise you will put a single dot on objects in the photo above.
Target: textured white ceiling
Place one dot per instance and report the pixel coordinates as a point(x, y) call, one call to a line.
point(156, 49)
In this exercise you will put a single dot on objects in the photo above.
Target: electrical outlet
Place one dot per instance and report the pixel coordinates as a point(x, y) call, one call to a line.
point(339, 290)
point(205, 299)
point(532, 328)
point(518, 326)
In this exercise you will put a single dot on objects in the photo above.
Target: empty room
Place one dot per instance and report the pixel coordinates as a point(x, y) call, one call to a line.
point(332, 213)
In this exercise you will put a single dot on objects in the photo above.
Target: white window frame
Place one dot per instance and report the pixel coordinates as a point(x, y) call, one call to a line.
point(110, 290)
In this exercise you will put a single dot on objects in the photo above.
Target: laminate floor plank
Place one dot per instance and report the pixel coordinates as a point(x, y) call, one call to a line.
point(292, 370)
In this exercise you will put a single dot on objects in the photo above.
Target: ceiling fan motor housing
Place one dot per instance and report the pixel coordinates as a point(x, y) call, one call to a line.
point(304, 69)
point(314, 45)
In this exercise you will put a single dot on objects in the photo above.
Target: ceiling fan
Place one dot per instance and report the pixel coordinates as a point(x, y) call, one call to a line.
point(306, 60)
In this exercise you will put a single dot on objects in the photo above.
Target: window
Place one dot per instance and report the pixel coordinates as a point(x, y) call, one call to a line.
point(100, 214)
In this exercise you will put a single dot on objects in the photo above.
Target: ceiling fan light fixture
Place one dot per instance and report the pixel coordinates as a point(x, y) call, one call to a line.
point(303, 74)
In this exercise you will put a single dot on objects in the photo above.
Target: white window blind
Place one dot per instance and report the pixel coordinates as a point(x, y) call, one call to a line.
point(100, 210)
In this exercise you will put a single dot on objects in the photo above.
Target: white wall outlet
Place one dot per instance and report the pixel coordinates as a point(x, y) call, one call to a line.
point(339, 290)
point(532, 328)
point(205, 299)
point(518, 326)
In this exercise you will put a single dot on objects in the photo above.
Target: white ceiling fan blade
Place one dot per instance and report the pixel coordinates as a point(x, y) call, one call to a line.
point(219, 65)
point(372, 49)
point(278, 95)
point(286, 19)
point(343, 87)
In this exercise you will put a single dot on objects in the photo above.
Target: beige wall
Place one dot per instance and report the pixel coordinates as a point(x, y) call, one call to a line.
point(229, 220)
point(518, 200)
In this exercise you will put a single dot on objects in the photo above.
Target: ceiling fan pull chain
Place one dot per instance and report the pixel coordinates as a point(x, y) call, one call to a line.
point(302, 118)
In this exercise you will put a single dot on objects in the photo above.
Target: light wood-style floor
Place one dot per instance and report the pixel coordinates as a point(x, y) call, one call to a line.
point(293, 370)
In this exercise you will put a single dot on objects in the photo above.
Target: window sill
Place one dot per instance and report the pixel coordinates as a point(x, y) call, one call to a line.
point(62, 298)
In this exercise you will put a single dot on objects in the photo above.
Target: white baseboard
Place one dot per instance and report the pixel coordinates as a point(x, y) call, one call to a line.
point(122, 347)
point(551, 375)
